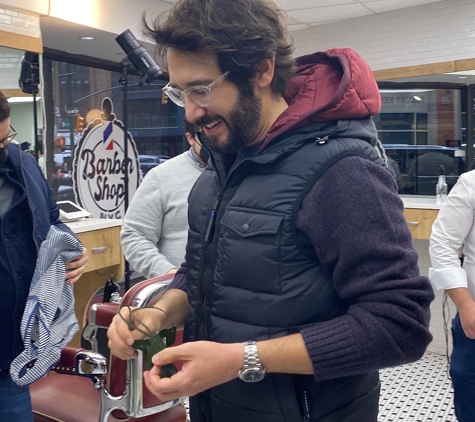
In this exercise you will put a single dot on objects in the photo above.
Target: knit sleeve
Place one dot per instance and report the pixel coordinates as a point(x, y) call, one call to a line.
point(354, 219)
point(179, 281)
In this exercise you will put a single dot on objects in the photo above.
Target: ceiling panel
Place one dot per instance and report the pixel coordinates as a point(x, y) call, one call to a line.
point(381, 6)
point(308, 4)
point(328, 13)
point(303, 14)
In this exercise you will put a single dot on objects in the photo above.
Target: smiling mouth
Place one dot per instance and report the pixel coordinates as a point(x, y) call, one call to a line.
point(212, 124)
point(212, 127)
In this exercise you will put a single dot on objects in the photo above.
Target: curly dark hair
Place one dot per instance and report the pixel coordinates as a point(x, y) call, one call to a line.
point(4, 108)
point(241, 33)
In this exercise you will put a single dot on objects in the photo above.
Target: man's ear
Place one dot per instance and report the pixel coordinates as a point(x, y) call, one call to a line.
point(190, 138)
point(265, 73)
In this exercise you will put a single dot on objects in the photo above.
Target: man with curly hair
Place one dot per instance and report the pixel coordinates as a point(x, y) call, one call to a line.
point(300, 279)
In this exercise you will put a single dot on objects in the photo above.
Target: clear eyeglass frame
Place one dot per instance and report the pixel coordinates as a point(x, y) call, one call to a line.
point(5, 141)
point(200, 94)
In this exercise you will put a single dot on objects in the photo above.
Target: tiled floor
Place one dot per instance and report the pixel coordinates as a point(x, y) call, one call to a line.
point(418, 392)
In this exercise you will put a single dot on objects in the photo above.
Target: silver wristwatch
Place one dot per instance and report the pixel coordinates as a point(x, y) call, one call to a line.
point(252, 371)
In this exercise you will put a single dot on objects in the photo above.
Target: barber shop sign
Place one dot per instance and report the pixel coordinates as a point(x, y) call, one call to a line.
point(99, 166)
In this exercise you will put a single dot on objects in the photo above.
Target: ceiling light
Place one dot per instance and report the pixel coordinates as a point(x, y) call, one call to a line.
point(22, 99)
point(86, 38)
point(462, 77)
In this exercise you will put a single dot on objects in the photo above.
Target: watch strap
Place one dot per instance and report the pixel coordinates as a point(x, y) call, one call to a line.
point(251, 355)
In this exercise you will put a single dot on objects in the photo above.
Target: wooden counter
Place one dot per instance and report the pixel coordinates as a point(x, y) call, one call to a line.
point(420, 212)
point(102, 241)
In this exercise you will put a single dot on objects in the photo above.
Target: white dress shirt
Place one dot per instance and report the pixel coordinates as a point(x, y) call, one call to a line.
point(453, 229)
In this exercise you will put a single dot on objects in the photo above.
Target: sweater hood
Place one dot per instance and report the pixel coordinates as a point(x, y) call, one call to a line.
point(332, 85)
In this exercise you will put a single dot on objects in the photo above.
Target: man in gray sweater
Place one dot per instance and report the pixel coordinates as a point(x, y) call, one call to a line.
point(155, 227)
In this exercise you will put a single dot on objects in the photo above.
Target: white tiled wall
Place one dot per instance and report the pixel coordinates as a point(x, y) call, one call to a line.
point(19, 22)
point(437, 325)
point(436, 32)
point(10, 64)
point(10, 60)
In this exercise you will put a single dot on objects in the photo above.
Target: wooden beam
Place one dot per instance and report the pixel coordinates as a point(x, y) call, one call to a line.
point(424, 69)
point(16, 92)
point(466, 64)
point(21, 42)
point(413, 71)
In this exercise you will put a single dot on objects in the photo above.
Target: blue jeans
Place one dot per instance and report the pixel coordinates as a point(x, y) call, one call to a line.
point(15, 402)
point(462, 372)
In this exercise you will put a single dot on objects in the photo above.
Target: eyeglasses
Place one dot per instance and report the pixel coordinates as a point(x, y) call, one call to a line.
point(5, 141)
point(200, 95)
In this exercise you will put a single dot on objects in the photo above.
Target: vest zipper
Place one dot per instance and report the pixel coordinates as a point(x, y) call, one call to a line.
point(207, 278)
point(212, 219)
point(306, 417)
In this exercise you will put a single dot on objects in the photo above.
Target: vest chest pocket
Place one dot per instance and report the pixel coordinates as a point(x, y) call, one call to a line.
point(249, 250)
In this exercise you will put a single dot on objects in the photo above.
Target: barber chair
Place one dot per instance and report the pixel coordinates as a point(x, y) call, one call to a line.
point(85, 387)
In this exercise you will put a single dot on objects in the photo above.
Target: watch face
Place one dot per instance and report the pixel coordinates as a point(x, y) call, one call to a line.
point(252, 374)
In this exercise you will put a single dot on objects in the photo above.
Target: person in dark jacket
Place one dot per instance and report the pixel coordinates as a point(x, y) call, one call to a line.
point(27, 210)
point(300, 280)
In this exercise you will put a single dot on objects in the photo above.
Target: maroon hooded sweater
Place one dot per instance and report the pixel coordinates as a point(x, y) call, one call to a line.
point(354, 219)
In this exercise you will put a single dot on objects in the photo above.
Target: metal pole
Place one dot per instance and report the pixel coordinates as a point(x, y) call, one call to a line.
point(123, 80)
point(71, 118)
point(35, 119)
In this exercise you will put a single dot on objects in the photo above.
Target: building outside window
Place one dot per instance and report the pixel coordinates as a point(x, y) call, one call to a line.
point(421, 130)
point(77, 92)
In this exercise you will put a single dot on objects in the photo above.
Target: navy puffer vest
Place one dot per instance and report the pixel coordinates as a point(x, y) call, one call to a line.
point(253, 276)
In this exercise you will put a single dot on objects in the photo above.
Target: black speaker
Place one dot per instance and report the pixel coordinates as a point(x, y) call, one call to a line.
point(29, 74)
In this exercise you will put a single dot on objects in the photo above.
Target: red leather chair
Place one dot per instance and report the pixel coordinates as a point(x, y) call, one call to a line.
point(84, 389)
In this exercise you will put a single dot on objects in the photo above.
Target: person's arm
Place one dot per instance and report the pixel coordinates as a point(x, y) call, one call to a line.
point(142, 229)
point(354, 219)
point(452, 226)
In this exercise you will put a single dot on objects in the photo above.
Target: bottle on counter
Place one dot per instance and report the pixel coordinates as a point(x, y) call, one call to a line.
point(441, 187)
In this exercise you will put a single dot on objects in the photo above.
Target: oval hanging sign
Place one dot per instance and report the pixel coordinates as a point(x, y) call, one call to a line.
point(99, 166)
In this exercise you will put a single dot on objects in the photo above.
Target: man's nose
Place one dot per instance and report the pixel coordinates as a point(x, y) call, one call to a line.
point(193, 112)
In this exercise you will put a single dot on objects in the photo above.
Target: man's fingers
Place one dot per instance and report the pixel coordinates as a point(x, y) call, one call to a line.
point(169, 355)
point(163, 388)
point(79, 262)
point(121, 339)
point(120, 348)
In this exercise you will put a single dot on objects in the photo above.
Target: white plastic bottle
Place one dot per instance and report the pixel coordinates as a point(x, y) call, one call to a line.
point(441, 188)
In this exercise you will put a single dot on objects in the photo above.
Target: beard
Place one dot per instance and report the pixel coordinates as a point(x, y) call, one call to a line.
point(242, 124)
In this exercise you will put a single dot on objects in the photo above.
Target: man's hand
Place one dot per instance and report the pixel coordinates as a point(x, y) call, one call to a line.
point(121, 338)
point(205, 365)
point(74, 269)
point(467, 319)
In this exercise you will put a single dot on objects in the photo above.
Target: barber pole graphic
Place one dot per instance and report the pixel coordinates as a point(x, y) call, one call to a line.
point(107, 137)
point(99, 166)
